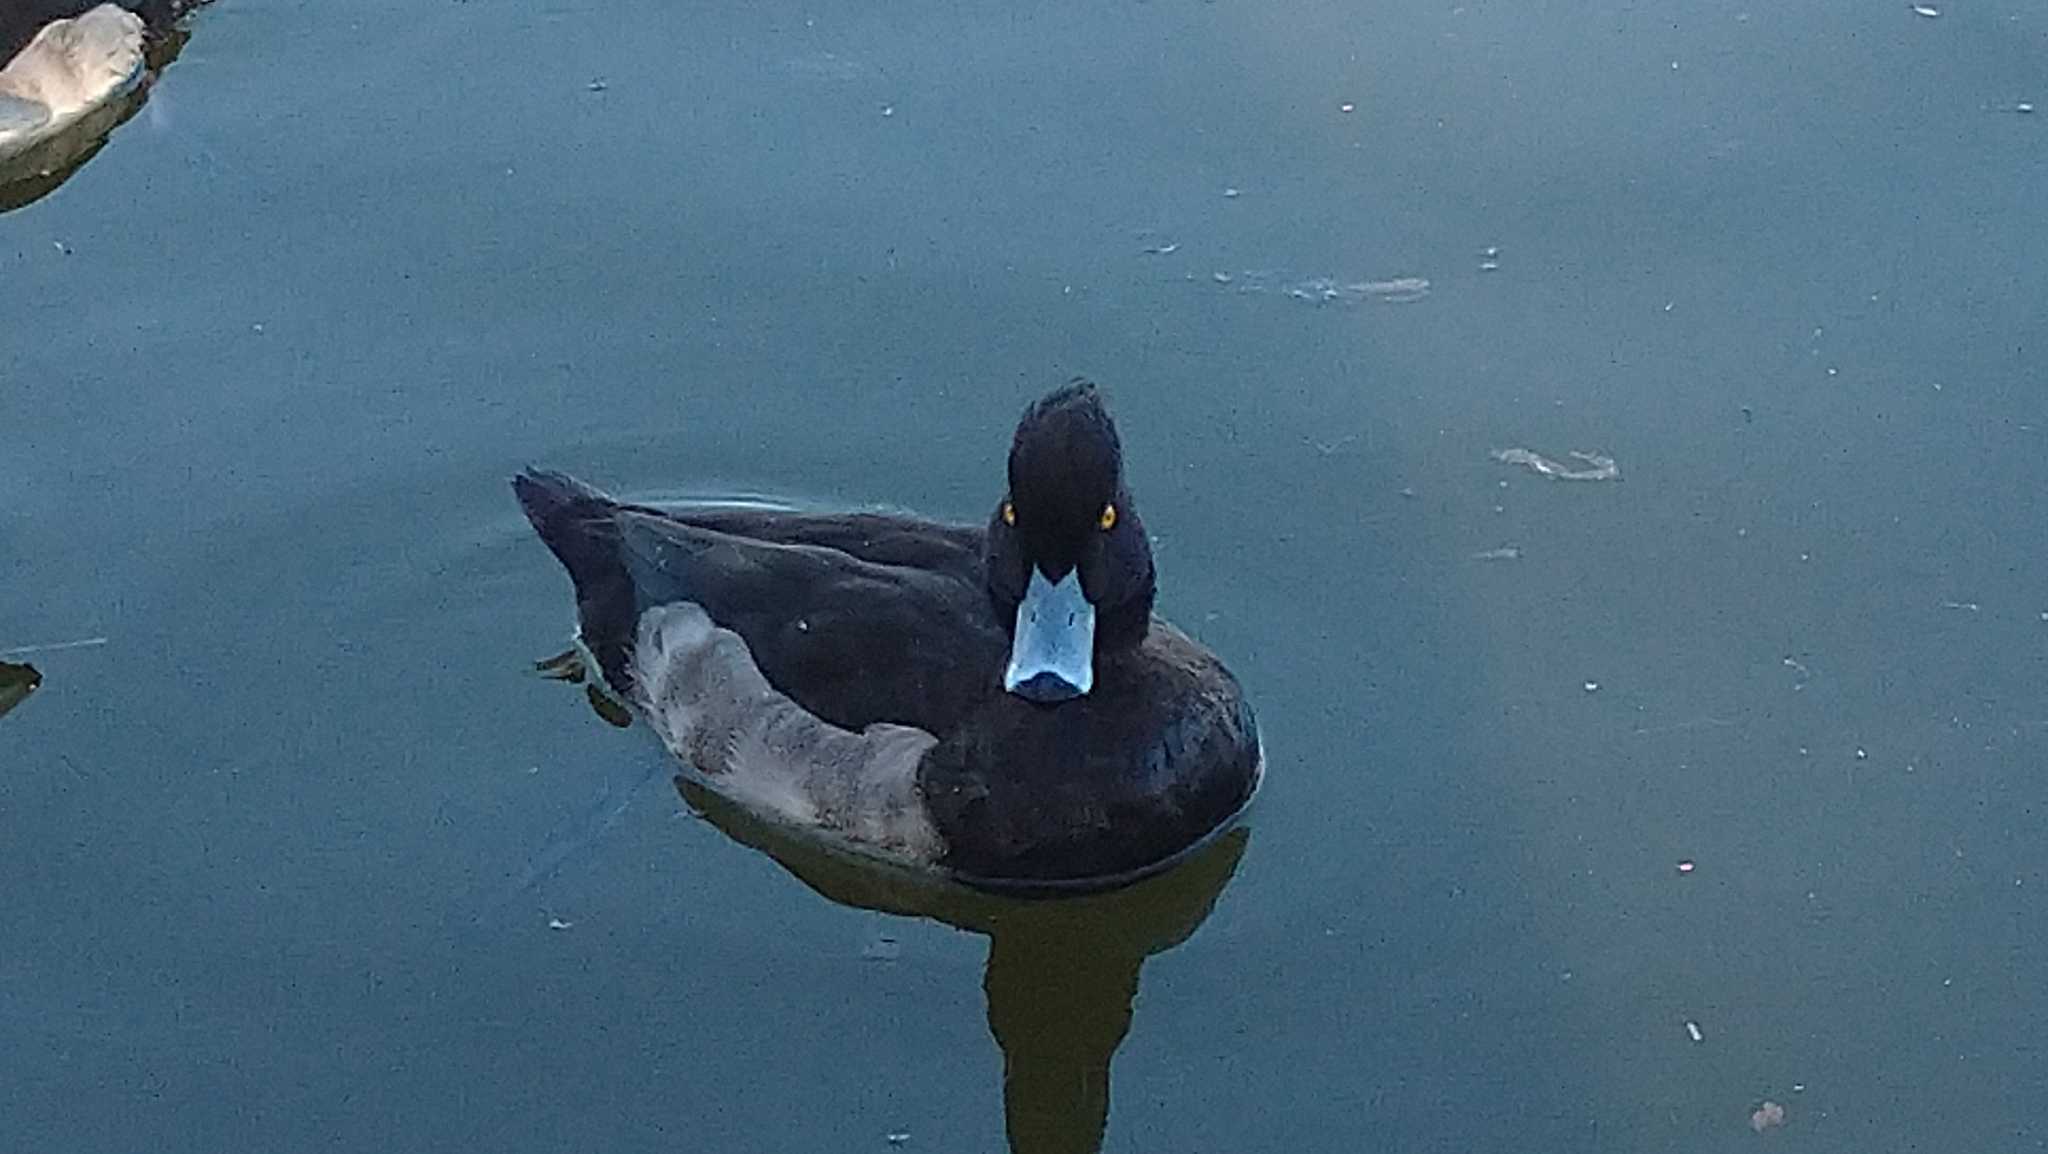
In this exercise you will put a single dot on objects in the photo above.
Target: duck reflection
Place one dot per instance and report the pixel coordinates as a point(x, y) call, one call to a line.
point(72, 71)
point(1061, 975)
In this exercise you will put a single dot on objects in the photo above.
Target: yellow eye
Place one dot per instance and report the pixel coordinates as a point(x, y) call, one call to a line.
point(1009, 513)
point(1107, 521)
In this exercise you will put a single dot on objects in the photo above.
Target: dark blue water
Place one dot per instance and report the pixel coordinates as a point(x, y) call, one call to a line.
point(281, 856)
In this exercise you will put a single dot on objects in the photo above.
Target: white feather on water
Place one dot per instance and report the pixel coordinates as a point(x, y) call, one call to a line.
point(736, 735)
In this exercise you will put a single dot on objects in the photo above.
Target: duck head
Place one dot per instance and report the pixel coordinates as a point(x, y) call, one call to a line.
point(1069, 568)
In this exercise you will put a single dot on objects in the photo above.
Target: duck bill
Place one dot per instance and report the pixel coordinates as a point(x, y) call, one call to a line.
point(1052, 654)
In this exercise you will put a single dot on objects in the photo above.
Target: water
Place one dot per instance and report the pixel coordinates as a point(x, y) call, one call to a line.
point(282, 855)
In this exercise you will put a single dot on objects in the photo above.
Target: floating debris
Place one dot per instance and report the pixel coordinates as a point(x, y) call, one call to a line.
point(881, 948)
point(1322, 290)
point(54, 647)
point(1927, 10)
point(1804, 674)
point(1682, 726)
point(1504, 553)
point(1692, 1030)
point(1766, 1117)
point(828, 66)
point(1598, 467)
point(1399, 290)
point(1325, 290)
point(16, 683)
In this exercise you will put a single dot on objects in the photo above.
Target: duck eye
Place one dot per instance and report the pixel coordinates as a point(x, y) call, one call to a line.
point(1009, 513)
point(1107, 521)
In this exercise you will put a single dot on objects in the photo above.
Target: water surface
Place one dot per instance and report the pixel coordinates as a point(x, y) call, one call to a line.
point(284, 853)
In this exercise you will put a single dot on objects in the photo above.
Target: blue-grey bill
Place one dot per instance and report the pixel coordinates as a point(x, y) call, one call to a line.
point(1052, 656)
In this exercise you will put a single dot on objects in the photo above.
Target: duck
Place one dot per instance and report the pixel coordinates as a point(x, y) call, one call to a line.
point(997, 704)
point(71, 71)
point(16, 683)
point(23, 20)
point(65, 73)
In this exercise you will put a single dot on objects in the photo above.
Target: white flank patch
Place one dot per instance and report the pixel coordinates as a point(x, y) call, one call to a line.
point(699, 688)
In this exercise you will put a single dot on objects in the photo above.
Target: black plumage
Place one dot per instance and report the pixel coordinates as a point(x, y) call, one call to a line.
point(865, 618)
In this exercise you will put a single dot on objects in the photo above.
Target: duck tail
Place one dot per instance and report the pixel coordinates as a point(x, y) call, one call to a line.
point(580, 526)
point(548, 497)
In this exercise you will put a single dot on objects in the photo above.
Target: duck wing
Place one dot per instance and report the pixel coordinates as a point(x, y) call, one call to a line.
point(881, 538)
point(853, 638)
